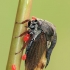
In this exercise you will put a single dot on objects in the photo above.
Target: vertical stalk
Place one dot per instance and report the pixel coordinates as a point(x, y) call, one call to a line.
point(23, 13)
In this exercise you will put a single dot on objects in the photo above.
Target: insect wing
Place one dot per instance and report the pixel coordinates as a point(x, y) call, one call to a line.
point(35, 52)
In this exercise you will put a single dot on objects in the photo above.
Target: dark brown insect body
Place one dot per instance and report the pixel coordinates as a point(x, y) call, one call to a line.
point(38, 53)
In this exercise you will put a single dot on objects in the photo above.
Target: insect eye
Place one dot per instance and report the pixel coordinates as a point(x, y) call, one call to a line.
point(35, 20)
point(29, 23)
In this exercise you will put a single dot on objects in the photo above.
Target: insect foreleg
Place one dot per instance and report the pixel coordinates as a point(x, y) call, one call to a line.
point(27, 20)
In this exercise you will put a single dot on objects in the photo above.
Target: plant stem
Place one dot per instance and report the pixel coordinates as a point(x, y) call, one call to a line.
point(23, 13)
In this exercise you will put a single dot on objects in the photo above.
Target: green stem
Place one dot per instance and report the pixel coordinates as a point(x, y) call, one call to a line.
point(23, 13)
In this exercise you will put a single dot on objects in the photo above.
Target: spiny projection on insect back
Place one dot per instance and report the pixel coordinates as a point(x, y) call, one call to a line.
point(36, 38)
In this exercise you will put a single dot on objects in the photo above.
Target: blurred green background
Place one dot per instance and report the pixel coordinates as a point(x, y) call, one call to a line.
point(55, 11)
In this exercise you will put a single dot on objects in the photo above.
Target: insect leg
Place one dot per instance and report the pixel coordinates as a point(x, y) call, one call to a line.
point(22, 34)
point(27, 20)
point(23, 47)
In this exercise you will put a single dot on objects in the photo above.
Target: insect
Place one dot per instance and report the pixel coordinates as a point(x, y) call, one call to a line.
point(37, 38)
